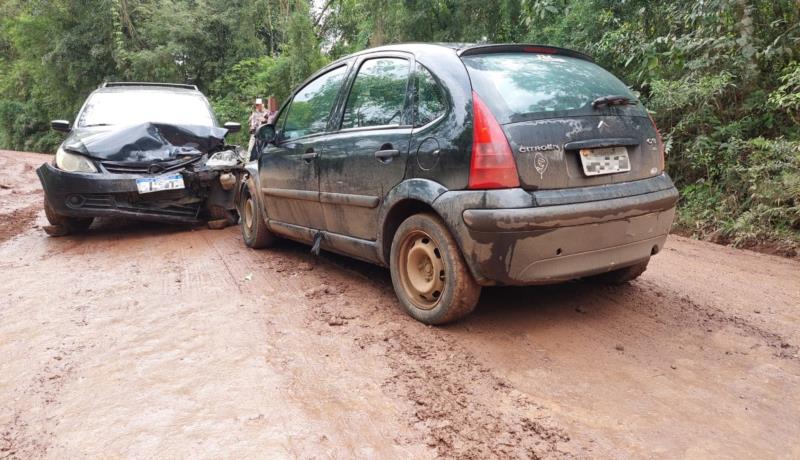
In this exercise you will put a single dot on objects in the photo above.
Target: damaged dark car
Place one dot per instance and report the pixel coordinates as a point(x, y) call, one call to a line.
point(144, 151)
point(462, 166)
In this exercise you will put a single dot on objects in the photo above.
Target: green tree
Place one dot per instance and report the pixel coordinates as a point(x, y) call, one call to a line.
point(721, 76)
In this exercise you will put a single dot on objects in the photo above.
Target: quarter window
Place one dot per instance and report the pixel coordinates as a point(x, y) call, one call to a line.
point(429, 101)
point(311, 107)
point(378, 94)
point(282, 117)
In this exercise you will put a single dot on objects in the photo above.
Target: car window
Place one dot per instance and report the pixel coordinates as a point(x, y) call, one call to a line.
point(281, 118)
point(429, 101)
point(311, 107)
point(516, 85)
point(109, 108)
point(378, 94)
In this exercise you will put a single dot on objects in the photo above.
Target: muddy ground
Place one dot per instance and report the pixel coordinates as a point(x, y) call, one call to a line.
point(154, 341)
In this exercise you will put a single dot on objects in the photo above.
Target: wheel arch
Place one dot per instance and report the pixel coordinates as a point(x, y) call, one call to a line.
point(410, 197)
point(251, 182)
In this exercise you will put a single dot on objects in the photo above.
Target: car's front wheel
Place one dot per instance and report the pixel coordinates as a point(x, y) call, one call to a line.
point(254, 230)
point(430, 277)
point(61, 225)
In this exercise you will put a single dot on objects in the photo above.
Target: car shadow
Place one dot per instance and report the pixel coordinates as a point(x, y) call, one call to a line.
point(121, 228)
point(498, 307)
point(508, 306)
point(511, 307)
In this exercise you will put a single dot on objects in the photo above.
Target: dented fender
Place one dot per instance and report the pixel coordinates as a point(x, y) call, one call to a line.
point(451, 205)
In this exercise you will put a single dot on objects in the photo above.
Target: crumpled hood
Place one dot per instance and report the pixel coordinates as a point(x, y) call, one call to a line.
point(144, 142)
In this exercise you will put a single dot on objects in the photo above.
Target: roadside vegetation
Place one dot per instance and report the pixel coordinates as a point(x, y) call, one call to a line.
point(722, 77)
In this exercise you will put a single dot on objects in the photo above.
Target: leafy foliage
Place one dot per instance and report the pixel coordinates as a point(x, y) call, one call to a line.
point(722, 77)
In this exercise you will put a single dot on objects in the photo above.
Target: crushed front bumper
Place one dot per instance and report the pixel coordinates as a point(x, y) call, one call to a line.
point(105, 195)
point(516, 237)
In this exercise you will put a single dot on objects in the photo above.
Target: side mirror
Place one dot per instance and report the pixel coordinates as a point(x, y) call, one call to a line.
point(60, 125)
point(266, 133)
point(232, 127)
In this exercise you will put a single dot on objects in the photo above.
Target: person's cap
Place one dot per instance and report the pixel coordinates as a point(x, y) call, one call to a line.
point(259, 101)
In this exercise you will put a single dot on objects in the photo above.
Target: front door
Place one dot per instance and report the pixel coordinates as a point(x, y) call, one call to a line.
point(367, 156)
point(289, 169)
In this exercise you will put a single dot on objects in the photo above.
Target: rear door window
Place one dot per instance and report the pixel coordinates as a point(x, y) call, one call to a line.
point(378, 95)
point(311, 106)
point(517, 86)
point(429, 102)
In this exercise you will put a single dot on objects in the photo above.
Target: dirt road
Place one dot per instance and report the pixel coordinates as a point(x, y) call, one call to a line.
point(150, 341)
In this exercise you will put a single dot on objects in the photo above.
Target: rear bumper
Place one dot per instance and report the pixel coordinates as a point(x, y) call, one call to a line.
point(603, 229)
point(105, 195)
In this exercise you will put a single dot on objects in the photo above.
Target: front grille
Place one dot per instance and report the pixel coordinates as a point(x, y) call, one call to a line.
point(125, 202)
point(154, 168)
point(164, 209)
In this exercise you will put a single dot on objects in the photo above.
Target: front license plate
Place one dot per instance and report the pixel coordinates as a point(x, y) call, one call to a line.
point(158, 184)
point(605, 161)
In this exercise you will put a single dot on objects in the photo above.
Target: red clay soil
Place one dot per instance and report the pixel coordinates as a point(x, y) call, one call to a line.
point(141, 340)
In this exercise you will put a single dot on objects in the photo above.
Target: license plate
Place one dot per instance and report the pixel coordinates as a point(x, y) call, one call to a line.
point(158, 184)
point(605, 161)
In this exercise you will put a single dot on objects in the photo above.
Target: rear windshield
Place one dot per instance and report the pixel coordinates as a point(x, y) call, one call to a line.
point(143, 106)
point(519, 86)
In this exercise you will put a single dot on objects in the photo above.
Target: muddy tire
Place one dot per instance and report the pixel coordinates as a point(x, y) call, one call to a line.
point(429, 274)
point(62, 225)
point(254, 230)
point(219, 217)
point(622, 275)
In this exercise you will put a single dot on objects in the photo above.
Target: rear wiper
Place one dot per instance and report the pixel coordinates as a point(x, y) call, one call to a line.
point(613, 100)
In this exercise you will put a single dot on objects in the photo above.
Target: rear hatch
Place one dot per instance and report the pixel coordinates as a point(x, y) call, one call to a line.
point(569, 122)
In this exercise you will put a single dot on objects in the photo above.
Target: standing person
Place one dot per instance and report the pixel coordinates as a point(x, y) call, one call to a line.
point(256, 120)
point(272, 109)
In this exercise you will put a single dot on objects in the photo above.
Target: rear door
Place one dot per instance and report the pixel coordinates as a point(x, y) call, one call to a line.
point(367, 156)
point(552, 112)
point(289, 170)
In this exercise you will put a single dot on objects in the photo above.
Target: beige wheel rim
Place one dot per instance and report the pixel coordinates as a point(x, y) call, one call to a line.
point(249, 213)
point(422, 270)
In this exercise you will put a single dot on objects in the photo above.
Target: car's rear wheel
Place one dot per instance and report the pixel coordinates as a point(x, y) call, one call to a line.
point(429, 274)
point(254, 230)
point(61, 225)
point(621, 275)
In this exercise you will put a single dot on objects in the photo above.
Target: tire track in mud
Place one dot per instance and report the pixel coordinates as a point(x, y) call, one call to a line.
point(707, 318)
point(18, 221)
point(25, 436)
point(462, 409)
point(454, 404)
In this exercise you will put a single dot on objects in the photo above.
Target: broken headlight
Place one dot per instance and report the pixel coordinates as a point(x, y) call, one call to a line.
point(71, 162)
point(225, 159)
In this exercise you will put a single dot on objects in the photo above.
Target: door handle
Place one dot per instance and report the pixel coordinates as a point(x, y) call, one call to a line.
point(308, 156)
point(384, 155)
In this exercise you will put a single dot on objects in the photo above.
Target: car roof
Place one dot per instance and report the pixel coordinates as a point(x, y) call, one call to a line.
point(465, 49)
point(457, 48)
point(114, 87)
point(110, 84)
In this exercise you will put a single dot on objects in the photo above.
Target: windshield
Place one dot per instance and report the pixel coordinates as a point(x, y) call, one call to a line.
point(143, 106)
point(516, 85)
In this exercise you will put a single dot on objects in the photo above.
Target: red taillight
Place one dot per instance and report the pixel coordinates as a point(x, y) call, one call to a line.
point(660, 143)
point(492, 164)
